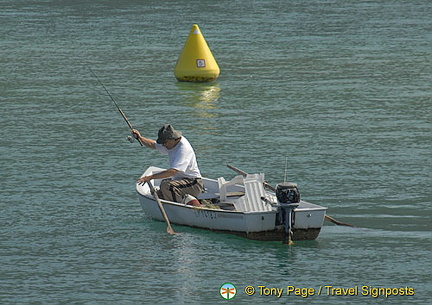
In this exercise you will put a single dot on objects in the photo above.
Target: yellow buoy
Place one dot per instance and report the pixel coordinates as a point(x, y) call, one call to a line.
point(196, 62)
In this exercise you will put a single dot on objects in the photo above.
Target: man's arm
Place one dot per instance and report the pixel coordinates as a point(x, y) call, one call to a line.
point(161, 175)
point(147, 142)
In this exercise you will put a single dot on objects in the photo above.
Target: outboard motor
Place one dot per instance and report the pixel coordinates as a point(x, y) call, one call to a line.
point(288, 197)
point(287, 192)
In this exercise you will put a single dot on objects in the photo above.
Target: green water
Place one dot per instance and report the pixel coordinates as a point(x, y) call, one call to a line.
point(340, 89)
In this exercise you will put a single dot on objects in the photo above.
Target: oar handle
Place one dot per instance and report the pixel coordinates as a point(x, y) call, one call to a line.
point(244, 174)
point(237, 170)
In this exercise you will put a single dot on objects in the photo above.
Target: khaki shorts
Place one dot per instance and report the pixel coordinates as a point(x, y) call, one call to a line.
point(175, 190)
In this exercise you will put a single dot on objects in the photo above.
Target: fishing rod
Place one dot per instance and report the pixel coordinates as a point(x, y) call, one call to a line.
point(118, 108)
point(170, 230)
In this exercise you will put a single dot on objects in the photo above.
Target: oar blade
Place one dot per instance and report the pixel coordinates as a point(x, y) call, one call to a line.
point(337, 222)
point(170, 230)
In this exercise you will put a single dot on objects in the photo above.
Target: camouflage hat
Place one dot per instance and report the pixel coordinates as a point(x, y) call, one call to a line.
point(167, 132)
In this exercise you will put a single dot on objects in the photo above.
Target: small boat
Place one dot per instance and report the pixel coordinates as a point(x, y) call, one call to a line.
point(241, 206)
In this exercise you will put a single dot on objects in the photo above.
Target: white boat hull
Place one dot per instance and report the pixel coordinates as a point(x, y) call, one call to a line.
point(307, 217)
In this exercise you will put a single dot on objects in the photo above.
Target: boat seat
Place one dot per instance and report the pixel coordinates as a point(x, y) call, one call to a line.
point(209, 196)
point(254, 191)
point(233, 194)
point(223, 194)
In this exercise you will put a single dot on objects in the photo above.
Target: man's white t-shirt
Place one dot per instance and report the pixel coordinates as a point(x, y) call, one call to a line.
point(182, 158)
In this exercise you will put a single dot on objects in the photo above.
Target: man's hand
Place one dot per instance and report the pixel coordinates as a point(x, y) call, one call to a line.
point(143, 180)
point(143, 141)
point(162, 175)
point(135, 133)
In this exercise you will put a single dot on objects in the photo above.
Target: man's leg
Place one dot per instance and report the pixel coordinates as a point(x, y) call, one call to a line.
point(175, 190)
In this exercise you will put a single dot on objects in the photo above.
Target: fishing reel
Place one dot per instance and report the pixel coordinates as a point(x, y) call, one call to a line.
point(130, 139)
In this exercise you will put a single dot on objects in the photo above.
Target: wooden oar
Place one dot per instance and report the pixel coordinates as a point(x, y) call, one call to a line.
point(170, 230)
point(339, 223)
point(244, 174)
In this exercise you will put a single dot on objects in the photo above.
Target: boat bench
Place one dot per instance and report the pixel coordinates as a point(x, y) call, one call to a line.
point(210, 196)
point(254, 191)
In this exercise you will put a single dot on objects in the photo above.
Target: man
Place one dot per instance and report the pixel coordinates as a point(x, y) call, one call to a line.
point(183, 171)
